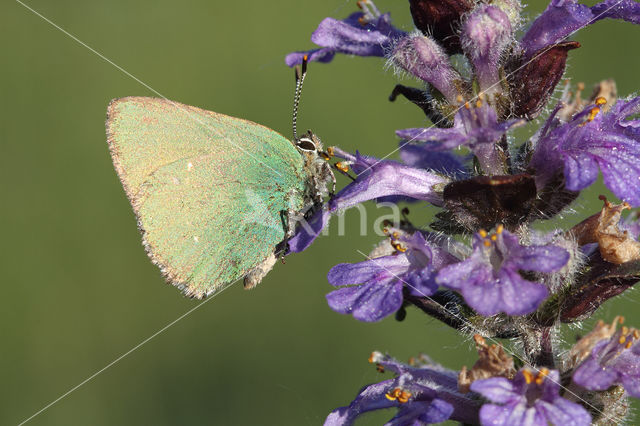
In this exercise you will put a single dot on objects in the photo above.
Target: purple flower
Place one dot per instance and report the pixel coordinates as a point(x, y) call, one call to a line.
point(476, 127)
point(366, 33)
point(489, 279)
point(384, 178)
point(376, 179)
point(564, 17)
point(485, 35)
point(531, 399)
point(416, 403)
point(612, 361)
point(423, 57)
point(594, 141)
point(422, 395)
point(380, 281)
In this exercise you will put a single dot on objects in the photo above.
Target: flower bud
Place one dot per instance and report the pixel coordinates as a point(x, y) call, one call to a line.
point(485, 35)
point(423, 57)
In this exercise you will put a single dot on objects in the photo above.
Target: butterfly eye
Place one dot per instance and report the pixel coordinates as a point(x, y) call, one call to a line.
point(306, 144)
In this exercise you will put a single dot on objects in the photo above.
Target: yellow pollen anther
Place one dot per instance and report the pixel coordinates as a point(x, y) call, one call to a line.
point(467, 106)
point(600, 100)
point(478, 103)
point(342, 167)
point(499, 229)
point(628, 345)
point(399, 247)
point(386, 231)
point(459, 99)
point(394, 394)
point(625, 330)
point(362, 21)
point(305, 58)
point(494, 237)
point(395, 235)
point(592, 114)
point(371, 357)
point(380, 368)
point(487, 243)
point(404, 397)
point(636, 334)
point(482, 233)
point(622, 340)
point(544, 372)
point(620, 319)
point(330, 151)
point(528, 377)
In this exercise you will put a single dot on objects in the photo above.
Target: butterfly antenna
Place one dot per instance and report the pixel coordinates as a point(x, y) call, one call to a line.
point(296, 99)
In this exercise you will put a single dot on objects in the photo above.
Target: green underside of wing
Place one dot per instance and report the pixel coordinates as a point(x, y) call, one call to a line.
point(208, 189)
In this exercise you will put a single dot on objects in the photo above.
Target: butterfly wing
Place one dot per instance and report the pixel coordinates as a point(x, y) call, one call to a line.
point(208, 189)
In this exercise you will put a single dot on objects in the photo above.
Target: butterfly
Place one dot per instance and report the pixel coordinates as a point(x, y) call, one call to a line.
point(216, 197)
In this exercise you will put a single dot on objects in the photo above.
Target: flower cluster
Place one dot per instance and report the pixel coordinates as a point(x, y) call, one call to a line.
point(481, 267)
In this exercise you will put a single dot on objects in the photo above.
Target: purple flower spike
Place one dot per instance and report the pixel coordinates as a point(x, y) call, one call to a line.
point(384, 178)
point(475, 127)
point(381, 280)
point(564, 17)
point(612, 361)
point(590, 141)
point(362, 34)
point(489, 278)
point(485, 35)
point(423, 57)
point(531, 399)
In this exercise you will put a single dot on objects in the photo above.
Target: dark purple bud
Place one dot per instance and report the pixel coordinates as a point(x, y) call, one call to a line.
point(533, 82)
point(483, 202)
point(440, 19)
point(603, 281)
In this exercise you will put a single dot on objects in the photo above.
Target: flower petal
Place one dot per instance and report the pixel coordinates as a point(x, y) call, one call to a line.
point(389, 178)
point(380, 268)
point(517, 295)
point(308, 231)
point(496, 389)
point(369, 398)
point(441, 162)
point(547, 258)
point(591, 375)
point(564, 413)
point(367, 302)
point(631, 385)
point(314, 55)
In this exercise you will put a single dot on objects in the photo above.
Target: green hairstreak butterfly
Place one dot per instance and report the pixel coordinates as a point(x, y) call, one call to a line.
point(216, 197)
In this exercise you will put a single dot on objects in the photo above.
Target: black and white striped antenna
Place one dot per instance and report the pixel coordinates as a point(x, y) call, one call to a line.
point(296, 99)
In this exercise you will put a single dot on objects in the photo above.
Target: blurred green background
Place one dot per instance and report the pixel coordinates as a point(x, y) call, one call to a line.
point(78, 290)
